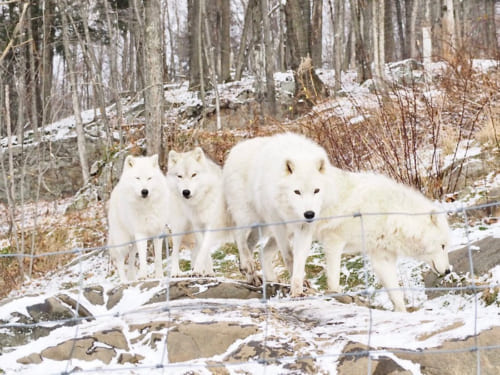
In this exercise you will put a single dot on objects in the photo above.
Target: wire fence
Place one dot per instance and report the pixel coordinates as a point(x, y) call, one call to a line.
point(264, 360)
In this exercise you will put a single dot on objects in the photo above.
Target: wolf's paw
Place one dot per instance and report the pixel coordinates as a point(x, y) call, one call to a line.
point(175, 272)
point(202, 273)
point(254, 279)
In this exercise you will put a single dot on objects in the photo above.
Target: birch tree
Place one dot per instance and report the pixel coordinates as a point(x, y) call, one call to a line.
point(70, 65)
point(153, 75)
point(449, 35)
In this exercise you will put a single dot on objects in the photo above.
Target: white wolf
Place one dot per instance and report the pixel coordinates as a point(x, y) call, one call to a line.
point(412, 228)
point(271, 180)
point(197, 182)
point(137, 210)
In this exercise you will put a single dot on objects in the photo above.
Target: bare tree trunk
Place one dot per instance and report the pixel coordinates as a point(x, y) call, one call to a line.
point(282, 54)
point(388, 31)
point(173, 71)
point(378, 42)
point(209, 53)
point(317, 33)
point(113, 62)
point(401, 35)
point(47, 58)
point(269, 60)
point(94, 70)
point(427, 36)
point(80, 134)
point(338, 41)
point(449, 36)
point(153, 74)
point(139, 40)
point(225, 41)
point(413, 28)
point(298, 31)
point(245, 40)
point(362, 58)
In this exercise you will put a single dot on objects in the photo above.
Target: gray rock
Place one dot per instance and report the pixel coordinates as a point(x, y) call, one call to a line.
point(188, 341)
point(83, 349)
point(484, 259)
point(459, 357)
point(94, 294)
point(114, 338)
point(50, 310)
point(217, 289)
point(82, 311)
point(114, 296)
point(17, 336)
point(32, 359)
point(355, 361)
point(129, 358)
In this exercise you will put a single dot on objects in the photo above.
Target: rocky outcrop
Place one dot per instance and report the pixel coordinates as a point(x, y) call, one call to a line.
point(485, 255)
point(56, 162)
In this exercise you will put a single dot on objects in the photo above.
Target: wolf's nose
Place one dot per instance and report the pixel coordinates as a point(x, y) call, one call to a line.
point(309, 215)
point(144, 193)
point(447, 272)
point(186, 193)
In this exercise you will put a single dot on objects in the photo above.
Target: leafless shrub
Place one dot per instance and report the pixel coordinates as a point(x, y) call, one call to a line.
point(405, 135)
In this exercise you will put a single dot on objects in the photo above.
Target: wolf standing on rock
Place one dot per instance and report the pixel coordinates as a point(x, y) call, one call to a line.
point(196, 182)
point(137, 210)
point(397, 221)
point(272, 180)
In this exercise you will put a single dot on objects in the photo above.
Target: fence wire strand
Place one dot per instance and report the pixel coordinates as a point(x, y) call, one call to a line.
point(263, 360)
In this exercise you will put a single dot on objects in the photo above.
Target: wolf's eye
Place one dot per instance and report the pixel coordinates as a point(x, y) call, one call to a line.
point(297, 192)
point(316, 191)
point(442, 247)
point(179, 176)
point(149, 178)
point(193, 175)
point(137, 178)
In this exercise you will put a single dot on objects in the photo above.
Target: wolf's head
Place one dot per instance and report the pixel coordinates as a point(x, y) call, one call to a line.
point(143, 175)
point(436, 243)
point(304, 185)
point(187, 170)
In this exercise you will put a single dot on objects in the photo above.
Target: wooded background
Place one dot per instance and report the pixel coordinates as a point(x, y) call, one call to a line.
point(59, 57)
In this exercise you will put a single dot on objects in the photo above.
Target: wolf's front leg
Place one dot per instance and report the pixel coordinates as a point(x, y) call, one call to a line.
point(158, 244)
point(118, 256)
point(175, 271)
point(333, 247)
point(142, 249)
point(203, 263)
point(385, 268)
point(302, 240)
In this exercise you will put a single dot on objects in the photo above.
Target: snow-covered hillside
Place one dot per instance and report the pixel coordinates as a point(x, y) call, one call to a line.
point(78, 318)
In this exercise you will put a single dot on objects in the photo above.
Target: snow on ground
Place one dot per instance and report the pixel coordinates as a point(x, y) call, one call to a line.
point(449, 317)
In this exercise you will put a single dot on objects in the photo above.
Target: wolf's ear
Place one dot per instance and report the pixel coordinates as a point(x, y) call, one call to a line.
point(199, 154)
point(154, 160)
point(172, 157)
point(289, 166)
point(129, 161)
point(322, 166)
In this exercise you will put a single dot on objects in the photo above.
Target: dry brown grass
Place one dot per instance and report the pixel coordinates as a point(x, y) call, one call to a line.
point(392, 137)
point(63, 232)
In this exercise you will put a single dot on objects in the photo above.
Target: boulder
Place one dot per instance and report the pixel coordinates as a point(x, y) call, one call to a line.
point(94, 294)
point(189, 341)
point(485, 255)
point(82, 349)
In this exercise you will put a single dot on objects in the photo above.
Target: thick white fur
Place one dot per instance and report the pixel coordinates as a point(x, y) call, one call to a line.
point(133, 217)
point(271, 180)
point(386, 237)
point(203, 209)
